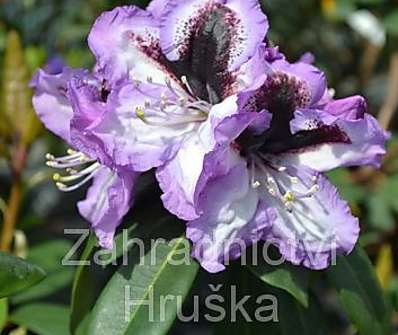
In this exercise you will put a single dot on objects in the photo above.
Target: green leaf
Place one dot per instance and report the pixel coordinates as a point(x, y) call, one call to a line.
point(382, 204)
point(83, 294)
point(360, 294)
point(391, 23)
point(17, 275)
point(3, 313)
point(237, 283)
point(294, 319)
point(43, 319)
point(146, 278)
point(48, 256)
point(393, 293)
point(91, 277)
point(287, 277)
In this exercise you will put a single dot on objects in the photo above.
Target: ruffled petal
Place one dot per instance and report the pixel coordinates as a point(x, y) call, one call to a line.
point(251, 75)
point(178, 178)
point(350, 109)
point(51, 100)
point(89, 109)
point(240, 24)
point(337, 142)
point(314, 78)
point(156, 7)
point(182, 176)
point(310, 230)
point(108, 201)
point(125, 42)
point(232, 219)
point(140, 142)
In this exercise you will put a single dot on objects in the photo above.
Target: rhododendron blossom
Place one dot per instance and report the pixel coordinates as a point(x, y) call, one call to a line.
point(239, 137)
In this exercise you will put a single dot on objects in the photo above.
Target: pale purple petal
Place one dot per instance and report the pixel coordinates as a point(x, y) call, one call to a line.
point(307, 58)
point(314, 77)
point(181, 177)
point(156, 7)
point(343, 142)
point(51, 100)
point(125, 42)
point(231, 220)
point(251, 75)
point(351, 108)
point(128, 139)
point(178, 177)
point(88, 110)
point(108, 201)
point(315, 229)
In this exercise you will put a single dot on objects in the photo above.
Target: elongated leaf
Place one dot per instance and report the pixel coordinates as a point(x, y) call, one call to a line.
point(122, 307)
point(294, 319)
point(259, 310)
point(3, 313)
point(93, 272)
point(43, 319)
point(18, 115)
point(289, 278)
point(48, 256)
point(17, 275)
point(360, 294)
point(83, 294)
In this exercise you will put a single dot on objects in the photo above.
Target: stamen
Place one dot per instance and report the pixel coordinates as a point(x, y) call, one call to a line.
point(256, 184)
point(184, 80)
point(275, 185)
point(70, 162)
point(172, 107)
point(139, 111)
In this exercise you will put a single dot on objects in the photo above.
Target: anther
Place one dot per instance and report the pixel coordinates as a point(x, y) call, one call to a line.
point(139, 111)
point(256, 184)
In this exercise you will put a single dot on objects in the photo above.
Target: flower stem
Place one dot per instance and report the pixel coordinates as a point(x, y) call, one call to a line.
point(14, 202)
point(11, 215)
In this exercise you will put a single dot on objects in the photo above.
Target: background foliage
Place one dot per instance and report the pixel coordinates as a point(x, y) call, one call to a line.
point(40, 296)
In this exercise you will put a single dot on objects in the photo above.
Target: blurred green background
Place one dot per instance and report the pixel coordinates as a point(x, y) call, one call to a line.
point(354, 41)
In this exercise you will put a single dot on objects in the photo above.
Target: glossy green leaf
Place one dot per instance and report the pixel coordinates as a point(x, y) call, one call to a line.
point(259, 313)
point(294, 319)
point(3, 313)
point(145, 279)
point(360, 293)
point(17, 275)
point(84, 293)
point(49, 257)
point(91, 275)
point(287, 277)
point(43, 319)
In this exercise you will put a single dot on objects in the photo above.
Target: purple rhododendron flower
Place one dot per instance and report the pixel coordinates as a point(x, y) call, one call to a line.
point(239, 137)
point(264, 181)
point(110, 196)
point(148, 101)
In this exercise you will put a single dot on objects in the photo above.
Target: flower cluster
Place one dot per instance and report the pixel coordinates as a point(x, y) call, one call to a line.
point(238, 137)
